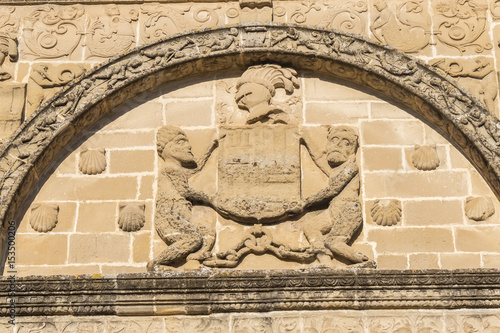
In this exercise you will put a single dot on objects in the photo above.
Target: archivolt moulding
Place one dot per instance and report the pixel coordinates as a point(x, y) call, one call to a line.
point(427, 91)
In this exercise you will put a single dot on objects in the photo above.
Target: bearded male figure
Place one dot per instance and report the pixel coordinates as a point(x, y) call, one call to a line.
point(330, 231)
point(175, 198)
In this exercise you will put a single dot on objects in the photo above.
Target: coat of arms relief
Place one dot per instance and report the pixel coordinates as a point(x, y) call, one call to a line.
point(259, 150)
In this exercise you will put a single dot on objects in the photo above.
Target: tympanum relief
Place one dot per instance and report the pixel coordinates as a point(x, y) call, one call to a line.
point(258, 149)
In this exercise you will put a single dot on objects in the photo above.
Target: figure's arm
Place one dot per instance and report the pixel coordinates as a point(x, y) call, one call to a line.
point(318, 155)
point(337, 184)
point(202, 160)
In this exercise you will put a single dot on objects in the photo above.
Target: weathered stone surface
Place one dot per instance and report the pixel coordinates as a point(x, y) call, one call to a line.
point(318, 290)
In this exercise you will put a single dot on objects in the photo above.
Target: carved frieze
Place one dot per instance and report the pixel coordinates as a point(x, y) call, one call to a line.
point(477, 74)
point(52, 31)
point(161, 20)
point(45, 79)
point(403, 24)
point(349, 16)
point(432, 95)
point(112, 32)
point(462, 25)
point(207, 292)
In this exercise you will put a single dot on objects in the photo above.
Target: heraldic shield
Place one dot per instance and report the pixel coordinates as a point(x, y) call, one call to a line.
point(258, 148)
point(259, 172)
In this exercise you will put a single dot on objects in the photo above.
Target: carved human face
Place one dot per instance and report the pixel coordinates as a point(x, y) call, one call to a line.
point(252, 94)
point(339, 148)
point(179, 149)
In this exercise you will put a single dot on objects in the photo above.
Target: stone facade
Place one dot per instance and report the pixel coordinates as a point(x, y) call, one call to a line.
point(186, 138)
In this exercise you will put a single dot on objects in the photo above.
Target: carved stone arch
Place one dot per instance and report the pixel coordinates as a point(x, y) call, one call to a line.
point(425, 90)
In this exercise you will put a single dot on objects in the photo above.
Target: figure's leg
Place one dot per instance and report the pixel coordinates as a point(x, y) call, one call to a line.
point(208, 240)
point(339, 247)
point(347, 218)
point(314, 230)
point(180, 248)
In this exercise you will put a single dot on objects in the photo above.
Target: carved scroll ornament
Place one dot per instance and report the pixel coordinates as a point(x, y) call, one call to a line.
point(430, 94)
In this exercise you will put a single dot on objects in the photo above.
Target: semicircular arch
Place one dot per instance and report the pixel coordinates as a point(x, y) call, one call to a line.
point(428, 92)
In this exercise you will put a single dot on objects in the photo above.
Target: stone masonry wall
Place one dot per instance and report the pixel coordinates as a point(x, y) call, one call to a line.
point(433, 231)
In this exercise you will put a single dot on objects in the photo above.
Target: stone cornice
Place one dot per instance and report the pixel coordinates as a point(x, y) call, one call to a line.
point(210, 291)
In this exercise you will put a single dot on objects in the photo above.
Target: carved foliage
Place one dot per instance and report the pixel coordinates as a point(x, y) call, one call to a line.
point(53, 31)
point(462, 24)
point(347, 15)
point(164, 20)
point(111, 34)
point(402, 24)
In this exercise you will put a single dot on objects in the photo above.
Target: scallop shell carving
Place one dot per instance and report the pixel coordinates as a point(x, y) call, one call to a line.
point(44, 217)
point(131, 217)
point(92, 162)
point(425, 158)
point(386, 212)
point(479, 208)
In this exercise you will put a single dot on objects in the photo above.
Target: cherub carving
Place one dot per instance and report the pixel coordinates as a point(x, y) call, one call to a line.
point(330, 231)
point(185, 240)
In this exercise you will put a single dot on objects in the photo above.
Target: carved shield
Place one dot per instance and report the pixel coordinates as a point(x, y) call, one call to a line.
point(258, 172)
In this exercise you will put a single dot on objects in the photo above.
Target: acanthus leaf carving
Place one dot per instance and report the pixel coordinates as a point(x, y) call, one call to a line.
point(164, 20)
point(404, 24)
point(462, 25)
point(111, 34)
point(53, 31)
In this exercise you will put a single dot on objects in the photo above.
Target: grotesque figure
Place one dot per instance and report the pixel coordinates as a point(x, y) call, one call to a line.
point(8, 49)
point(330, 231)
point(174, 201)
point(257, 86)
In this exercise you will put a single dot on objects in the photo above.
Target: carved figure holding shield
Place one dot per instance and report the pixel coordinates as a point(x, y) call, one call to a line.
point(175, 198)
point(330, 231)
